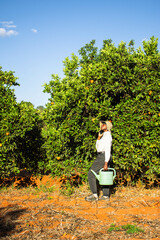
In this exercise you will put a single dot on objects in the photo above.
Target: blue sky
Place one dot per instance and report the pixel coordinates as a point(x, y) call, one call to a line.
point(37, 35)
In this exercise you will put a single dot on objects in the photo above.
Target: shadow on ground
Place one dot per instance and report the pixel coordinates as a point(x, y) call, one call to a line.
point(8, 219)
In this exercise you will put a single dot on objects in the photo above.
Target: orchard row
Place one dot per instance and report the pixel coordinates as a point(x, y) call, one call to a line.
point(119, 84)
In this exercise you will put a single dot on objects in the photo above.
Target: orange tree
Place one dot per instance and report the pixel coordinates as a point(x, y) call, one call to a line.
point(115, 83)
point(20, 131)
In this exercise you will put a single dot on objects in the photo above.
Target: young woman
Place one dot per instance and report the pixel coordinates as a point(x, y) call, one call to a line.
point(103, 159)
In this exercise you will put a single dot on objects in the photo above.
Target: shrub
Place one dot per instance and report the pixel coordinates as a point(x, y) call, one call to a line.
point(118, 84)
point(20, 131)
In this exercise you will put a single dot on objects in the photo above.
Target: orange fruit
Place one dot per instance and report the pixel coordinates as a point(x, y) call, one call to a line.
point(58, 158)
point(0, 144)
point(150, 92)
point(7, 133)
point(52, 103)
point(92, 81)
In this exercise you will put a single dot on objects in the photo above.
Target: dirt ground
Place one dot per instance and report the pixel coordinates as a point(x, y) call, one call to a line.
point(42, 212)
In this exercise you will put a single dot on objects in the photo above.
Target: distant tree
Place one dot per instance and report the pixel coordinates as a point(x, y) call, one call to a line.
point(29, 104)
point(41, 108)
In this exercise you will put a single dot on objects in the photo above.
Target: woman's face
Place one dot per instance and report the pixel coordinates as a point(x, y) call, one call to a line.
point(104, 127)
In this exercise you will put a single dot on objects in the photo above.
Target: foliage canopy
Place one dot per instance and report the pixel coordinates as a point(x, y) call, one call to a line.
point(116, 83)
point(120, 84)
point(20, 131)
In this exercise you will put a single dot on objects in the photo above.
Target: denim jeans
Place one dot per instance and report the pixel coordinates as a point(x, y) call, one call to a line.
point(93, 182)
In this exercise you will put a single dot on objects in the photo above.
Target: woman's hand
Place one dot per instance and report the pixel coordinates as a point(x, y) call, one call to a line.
point(105, 166)
point(100, 135)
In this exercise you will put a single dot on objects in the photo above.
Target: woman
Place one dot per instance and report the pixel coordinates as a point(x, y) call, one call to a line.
point(103, 146)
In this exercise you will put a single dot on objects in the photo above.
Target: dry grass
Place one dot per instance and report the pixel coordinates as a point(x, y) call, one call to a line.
point(44, 213)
